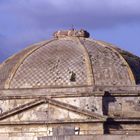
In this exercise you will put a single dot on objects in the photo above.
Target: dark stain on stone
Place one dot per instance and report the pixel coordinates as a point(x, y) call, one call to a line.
point(73, 77)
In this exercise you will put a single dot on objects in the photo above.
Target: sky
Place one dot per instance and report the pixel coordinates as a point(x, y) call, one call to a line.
point(25, 22)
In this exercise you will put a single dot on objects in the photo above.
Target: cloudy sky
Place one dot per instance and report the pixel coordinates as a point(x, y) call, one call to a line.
point(24, 22)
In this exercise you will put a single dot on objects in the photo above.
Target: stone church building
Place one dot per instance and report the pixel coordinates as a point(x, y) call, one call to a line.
point(70, 87)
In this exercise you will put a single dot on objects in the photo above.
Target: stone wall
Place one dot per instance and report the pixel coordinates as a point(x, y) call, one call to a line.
point(95, 137)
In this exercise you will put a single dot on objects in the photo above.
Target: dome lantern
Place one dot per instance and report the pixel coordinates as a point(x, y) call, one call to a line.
point(71, 33)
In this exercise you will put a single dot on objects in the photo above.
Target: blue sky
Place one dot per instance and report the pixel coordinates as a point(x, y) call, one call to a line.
point(24, 22)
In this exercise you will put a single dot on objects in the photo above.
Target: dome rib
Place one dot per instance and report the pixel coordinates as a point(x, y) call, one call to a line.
point(69, 62)
point(59, 63)
point(134, 63)
point(131, 75)
point(15, 68)
point(7, 66)
point(90, 74)
point(102, 57)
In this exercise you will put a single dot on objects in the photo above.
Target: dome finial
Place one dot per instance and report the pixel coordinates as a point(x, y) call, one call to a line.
point(72, 27)
point(71, 33)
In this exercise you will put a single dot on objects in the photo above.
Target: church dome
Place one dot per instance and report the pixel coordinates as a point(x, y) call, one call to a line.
point(71, 59)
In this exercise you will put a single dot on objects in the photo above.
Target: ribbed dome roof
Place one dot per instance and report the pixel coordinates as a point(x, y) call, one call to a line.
point(70, 61)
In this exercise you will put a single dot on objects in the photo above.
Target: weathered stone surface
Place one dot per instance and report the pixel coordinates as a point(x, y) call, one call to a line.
point(99, 137)
point(68, 62)
point(68, 86)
